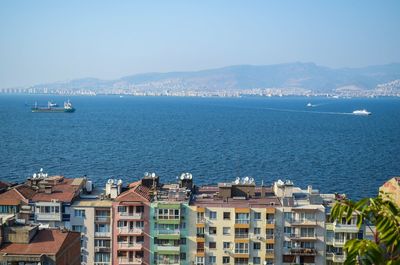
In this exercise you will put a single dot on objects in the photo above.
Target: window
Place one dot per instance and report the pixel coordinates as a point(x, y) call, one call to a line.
point(287, 216)
point(183, 256)
point(287, 230)
point(183, 241)
point(242, 248)
point(212, 259)
point(256, 245)
point(121, 209)
point(307, 232)
point(256, 260)
point(171, 214)
point(79, 213)
point(227, 215)
point(212, 245)
point(257, 216)
point(270, 247)
point(225, 260)
point(213, 215)
point(102, 257)
point(212, 230)
point(257, 230)
point(227, 245)
point(78, 228)
point(287, 244)
point(102, 243)
point(226, 230)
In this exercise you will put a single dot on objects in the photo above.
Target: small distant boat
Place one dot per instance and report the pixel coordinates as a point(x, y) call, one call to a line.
point(67, 108)
point(309, 105)
point(361, 112)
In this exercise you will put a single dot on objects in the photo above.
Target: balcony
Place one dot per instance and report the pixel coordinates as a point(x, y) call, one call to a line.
point(164, 262)
point(102, 249)
point(168, 232)
point(201, 221)
point(130, 216)
point(345, 228)
point(241, 235)
point(269, 254)
point(303, 251)
point(130, 231)
point(311, 222)
point(338, 257)
point(168, 248)
point(339, 243)
point(242, 221)
point(270, 221)
point(129, 246)
point(102, 219)
point(303, 237)
point(48, 217)
point(102, 263)
point(127, 261)
point(102, 234)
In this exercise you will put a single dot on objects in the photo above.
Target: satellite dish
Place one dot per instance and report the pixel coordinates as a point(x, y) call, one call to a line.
point(153, 175)
point(110, 181)
point(146, 174)
point(41, 169)
point(182, 177)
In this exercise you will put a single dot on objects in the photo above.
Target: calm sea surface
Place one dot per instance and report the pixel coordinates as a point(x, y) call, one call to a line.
point(216, 139)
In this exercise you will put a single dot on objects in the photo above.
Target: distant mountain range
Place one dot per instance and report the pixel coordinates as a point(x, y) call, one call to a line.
point(306, 76)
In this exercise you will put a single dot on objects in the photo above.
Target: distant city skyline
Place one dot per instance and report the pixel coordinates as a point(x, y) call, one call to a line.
point(45, 41)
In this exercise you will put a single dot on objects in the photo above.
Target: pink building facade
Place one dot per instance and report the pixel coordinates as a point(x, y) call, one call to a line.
point(131, 240)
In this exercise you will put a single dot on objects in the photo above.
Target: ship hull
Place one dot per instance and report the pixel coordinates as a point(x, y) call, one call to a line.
point(52, 110)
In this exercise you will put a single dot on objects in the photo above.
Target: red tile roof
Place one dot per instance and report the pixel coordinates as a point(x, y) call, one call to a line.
point(48, 241)
point(4, 185)
point(63, 192)
point(17, 195)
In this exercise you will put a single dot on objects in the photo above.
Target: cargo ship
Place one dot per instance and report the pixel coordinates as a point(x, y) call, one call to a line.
point(67, 108)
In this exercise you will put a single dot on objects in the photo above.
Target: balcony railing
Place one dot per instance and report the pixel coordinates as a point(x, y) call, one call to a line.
point(241, 251)
point(304, 222)
point(102, 263)
point(127, 230)
point(127, 215)
point(102, 234)
point(242, 221)
point(241, 235)
point(123, 261)
point(349, 228)
point(168, 232)
point(200, 220)
point(168, 248)
point(270, 221)
point(303, 251)
point(103, 219)
point(338, 257)
point(132, 246)
point(300, 236)
point(102, 249)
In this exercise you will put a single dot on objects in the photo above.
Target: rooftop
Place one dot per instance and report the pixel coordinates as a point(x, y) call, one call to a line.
point(47, 241)
point(64, 191)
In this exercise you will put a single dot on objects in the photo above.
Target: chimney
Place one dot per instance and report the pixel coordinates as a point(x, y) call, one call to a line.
point(262, 189)
point(309, 189)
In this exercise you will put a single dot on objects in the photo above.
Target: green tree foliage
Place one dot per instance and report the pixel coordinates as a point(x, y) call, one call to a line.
point(382, 217)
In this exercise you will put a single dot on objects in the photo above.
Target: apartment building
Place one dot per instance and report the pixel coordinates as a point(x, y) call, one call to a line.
point(131, 225)
point(235, 223)
point(300, 225)
point(91, 216)
point(169, 222)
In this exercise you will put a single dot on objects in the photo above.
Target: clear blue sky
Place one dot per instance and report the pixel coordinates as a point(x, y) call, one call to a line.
point(44, 41)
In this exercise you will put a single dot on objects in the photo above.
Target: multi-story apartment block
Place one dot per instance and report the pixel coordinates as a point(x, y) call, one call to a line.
point(91, 215)
point(234, 224)
point(169, 222)
point(131, 229)
point(300, 220)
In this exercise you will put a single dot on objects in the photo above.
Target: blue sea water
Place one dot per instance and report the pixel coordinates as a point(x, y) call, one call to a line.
point(216, 139)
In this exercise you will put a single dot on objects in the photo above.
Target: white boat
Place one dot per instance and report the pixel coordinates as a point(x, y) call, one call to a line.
point(361, 112)
point(309, 105)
